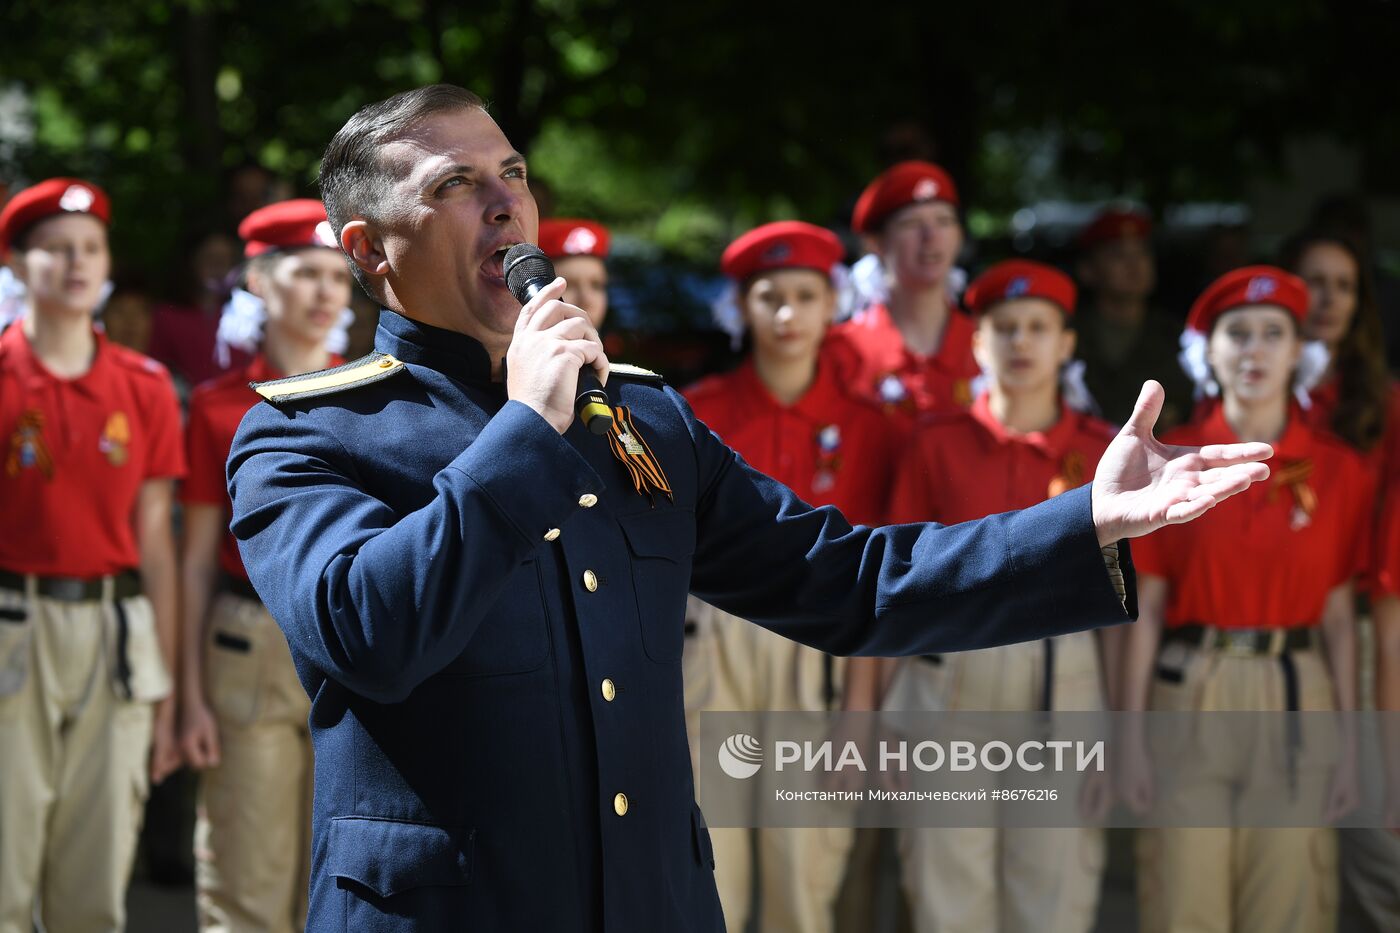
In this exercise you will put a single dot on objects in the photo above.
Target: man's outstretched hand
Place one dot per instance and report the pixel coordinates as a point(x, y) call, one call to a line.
point(1142, 484)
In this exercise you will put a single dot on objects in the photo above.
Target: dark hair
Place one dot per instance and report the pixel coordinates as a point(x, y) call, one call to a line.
point(353, 180)
point(1363, 383)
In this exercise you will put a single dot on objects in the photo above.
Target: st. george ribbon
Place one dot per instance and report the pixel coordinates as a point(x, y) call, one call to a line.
point(528, 270)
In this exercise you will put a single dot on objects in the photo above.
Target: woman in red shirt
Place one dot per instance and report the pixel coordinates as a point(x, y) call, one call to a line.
point(1358, 403)
point(244, 712)
point(1234, 614)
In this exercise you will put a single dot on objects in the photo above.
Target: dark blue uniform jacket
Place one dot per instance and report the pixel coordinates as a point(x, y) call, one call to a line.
point(467, 761)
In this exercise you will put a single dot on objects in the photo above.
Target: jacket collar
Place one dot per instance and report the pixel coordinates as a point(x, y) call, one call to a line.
point(447, 351)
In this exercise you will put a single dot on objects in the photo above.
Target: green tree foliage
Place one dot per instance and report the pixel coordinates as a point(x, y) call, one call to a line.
point(684, 122)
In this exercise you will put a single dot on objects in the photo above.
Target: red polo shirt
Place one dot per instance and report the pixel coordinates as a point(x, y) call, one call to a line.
point(1383, 577)
point(828, 447)
point(968, 465)
point(216, 409)
point(76, 452)
point(1268, 557)
point(875, 362)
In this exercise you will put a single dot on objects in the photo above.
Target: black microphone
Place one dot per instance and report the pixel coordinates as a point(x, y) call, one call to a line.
point(528, 270)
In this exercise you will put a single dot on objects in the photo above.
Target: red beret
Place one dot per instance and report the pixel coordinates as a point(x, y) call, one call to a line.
point(565, 237)
point(1020, 278)
point(1252, 285)
point(786, 244)
point(905, 183)
point(47, 198)
point(1115, 224)
point(285, 225)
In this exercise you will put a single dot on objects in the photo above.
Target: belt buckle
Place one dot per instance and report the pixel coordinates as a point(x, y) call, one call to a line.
point(1237, 643)
point(66, 589)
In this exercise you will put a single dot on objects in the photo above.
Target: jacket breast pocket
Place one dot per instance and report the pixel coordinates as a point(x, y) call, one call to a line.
point(512, 637)
point(662, 543)
point(400, 876)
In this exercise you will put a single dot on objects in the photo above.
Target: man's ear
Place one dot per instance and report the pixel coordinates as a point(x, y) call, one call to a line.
point(364, 248)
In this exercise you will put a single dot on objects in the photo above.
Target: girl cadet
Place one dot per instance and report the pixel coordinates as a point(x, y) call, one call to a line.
point(910, 348)
point(91, 435)
point(1235, 614)
point(244, 712)
point(1357, 403)
point(786, 412)
point(1024, 440)
point(578, 249)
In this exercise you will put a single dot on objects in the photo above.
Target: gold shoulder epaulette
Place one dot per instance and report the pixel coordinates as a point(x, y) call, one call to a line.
point(351, 375)
point(628, 371)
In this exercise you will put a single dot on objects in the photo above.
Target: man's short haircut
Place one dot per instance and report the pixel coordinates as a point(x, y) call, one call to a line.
point(353, 179)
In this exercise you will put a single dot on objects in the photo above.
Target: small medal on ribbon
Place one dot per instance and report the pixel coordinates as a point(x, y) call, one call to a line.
point(628, 446)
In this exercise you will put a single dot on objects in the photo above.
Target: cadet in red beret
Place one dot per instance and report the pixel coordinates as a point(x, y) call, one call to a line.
point(1122, 338)
point(579, 248)
point(91, 447)
point(1251, 609)
point(244, 713)
point(908, 348)
point(1358, 403)
point(1025, 439)
point(787, 412)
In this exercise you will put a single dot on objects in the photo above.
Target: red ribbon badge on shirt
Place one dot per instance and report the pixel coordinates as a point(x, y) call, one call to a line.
point(27, 447)
point(628, 446)
point(1294, 476)
point(115, 438)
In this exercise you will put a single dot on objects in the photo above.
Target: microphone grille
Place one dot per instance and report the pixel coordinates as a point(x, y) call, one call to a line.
point(526, 263)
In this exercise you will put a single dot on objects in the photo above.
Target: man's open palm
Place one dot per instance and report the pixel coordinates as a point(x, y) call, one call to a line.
point(1142, 484)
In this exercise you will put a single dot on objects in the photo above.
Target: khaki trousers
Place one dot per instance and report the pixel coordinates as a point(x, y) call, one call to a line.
point(73, 756)
point(1002, 879)
point(1222, 880)
point(253, 827)
point(732, 664)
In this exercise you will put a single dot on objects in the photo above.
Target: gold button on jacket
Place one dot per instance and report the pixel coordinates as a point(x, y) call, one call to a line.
point(590, 581)
point(609, 689)
point(620, 804)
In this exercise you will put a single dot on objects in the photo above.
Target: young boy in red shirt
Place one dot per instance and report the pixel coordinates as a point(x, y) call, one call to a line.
point(787, 413)
point(91, 435)
point(1023, 441)
point(910, 349)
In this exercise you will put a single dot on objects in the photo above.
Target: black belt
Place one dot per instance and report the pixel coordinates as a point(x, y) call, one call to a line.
point(1262, 643)
point(75, 589)
point(238, 586)
point(1252, 642)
